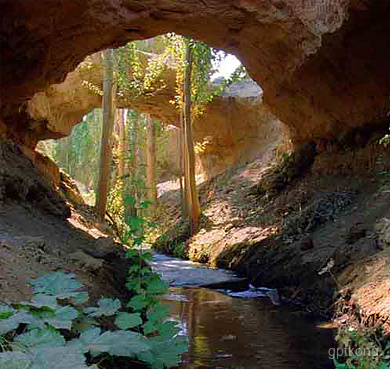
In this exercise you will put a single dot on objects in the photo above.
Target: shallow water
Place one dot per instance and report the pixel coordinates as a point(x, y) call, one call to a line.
point(245, 330)
point(227, 332)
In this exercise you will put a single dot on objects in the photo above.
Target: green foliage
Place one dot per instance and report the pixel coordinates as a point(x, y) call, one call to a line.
point(126, 320)
point(361, 346)
point(54, 330)
point(40, 338)
point(362, 350)
point(128, 195)
point(117, 343)
point(115, 206)
point(139, 73)
point(240, 74)
point(58, 285)
point(107, 307)
point(180, 251)
point(165, 352)
point(78, 154)
point(41, 334)
point(44, 358)
point(203, 67)
point(173, 239)
point(167, 345)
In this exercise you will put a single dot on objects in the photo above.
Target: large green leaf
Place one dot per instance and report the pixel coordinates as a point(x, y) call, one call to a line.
point(84, 323)
point(59, 358)
point(138, 302)
point(88, 341)
point(44, 358)
point(135, 223)
point(13, 321)
point(106, 307)
point(118, 343)
point(41, 300)
point(158, 312)
point(6, 311)
point(125, 343)
point(168, 329)
point(147, 255)
point(133, 253)
point(157, 286)
point(79, 298)
point(61, 318)
point(41, 338)
point(149, 327)
point(57, 284)
point(15, 360)
point(133, 284)
point(127, 320)
point(165, 353)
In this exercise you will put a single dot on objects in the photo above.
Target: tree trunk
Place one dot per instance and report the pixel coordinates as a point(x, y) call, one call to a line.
point(195, 211)
point(105, 146)
point(185, 200)
point(183, 193)
point(131, 188)
point(122, 143)
point(151, 164)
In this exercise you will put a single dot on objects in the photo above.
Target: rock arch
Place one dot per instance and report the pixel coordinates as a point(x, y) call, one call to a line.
point(322, 64)
point(221, 146)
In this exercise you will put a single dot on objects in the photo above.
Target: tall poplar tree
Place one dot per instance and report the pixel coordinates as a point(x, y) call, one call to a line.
point(108, 106)
point(194, 206)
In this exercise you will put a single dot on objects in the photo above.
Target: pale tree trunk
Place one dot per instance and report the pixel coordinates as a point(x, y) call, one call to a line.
point(185, 198)
point(115, 150)
point(108, 124)
point(131, 188)
point(122, 143)
point(135, 146)
point(135, 174)
point(195, 211)
point(184, 213)
point(151, 164)
point(119, 147)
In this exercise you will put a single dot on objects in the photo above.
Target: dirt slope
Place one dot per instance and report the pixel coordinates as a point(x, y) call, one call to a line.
point(281, 231)
point(41, 233)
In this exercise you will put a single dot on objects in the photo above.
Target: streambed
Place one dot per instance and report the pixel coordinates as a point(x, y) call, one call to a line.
point(245, 330)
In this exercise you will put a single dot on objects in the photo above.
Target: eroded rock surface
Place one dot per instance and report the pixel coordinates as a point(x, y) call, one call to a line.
point(323, 64)
point(220, 144)
point(21, 181)
point(37, 238)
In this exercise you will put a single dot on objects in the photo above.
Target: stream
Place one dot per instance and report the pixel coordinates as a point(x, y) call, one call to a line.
point(248, 329)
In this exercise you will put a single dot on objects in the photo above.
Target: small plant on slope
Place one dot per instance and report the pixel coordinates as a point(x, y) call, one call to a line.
point(361, 351)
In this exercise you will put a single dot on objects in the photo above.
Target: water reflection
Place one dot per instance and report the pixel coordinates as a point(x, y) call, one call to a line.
point(226, 332)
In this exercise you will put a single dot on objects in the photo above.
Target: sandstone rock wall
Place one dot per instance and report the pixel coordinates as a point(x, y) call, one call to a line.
point(323, 64)
point(29, 179)
point(61, 106)
point(219, 143)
